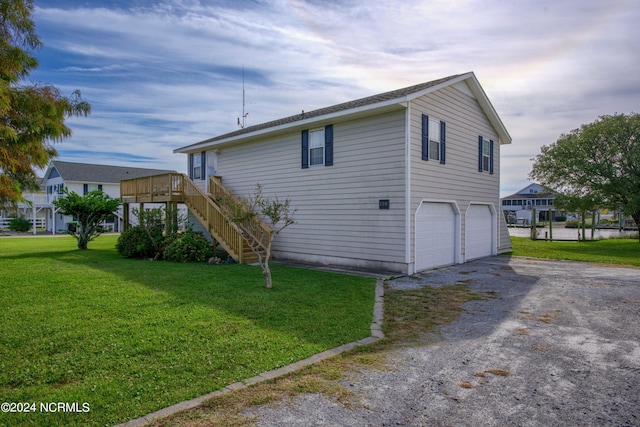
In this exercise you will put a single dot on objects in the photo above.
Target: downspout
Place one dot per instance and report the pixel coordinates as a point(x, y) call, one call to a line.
point(407, 186)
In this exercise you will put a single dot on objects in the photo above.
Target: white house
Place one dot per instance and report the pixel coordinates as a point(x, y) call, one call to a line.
point(82, 178)
point(402, 181)
point(519, 206)
point(34, 209)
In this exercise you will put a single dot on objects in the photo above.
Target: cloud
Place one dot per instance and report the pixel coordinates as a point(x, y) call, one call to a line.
point(163, 74)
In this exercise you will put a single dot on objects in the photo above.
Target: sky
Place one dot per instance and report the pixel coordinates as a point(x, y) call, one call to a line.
point(160, 75)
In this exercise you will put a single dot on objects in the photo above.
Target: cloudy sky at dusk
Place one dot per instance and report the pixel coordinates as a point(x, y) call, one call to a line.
point(164, 74)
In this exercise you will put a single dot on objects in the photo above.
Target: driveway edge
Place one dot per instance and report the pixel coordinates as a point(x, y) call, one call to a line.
point(376, 335)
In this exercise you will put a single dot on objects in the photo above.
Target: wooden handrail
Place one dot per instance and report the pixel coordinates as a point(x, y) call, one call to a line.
point(254, 226)
point(210, 214)
point(157, 188)
point(175, 187)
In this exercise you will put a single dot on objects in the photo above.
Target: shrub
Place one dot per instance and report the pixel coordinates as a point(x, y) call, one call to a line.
point(572, 223)
point(190, 246)
point(140, 242)
point(20, 225)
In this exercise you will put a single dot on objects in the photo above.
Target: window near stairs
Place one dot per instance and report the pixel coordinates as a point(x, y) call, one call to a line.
point(197, 166)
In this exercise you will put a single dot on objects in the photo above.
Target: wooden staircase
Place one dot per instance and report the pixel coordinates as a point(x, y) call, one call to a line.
point(237, 239)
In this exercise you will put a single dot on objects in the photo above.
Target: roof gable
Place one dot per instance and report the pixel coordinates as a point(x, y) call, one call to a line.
point(368, 103)
point(90, 173)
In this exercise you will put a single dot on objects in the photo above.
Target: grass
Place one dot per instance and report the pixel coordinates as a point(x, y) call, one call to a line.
point(411, 317)
point(608, 251)
point(130, 337)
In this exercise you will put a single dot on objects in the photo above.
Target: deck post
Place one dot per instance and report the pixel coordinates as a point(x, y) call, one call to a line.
point(125, 217)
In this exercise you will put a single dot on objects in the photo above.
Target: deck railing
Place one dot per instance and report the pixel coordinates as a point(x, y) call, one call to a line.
point(212, 216)
point(208, 208)
point(157, 188)
point(252, 225)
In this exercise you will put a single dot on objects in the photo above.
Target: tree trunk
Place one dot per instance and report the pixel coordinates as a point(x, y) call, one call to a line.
point(266, 271)
point(82, 241)
point(267, 276)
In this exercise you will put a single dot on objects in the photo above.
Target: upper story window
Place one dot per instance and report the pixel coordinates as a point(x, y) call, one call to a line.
point(485, 155)
point(317, 147)
point(433, 139)
point(197, 166)
point(91, 187)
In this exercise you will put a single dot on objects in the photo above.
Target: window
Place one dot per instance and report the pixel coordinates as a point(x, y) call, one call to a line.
point(197, 166)
point(91, 187)
point(433, 139)
point(316, 147)
point(485, 155)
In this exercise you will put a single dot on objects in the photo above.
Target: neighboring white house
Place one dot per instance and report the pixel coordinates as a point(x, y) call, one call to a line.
point(34, 209)
point(403, 181)
point(82, 178)
point(518, 207)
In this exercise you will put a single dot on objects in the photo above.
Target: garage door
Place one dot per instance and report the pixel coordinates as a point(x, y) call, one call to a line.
point(478, 232)
point(435, 235)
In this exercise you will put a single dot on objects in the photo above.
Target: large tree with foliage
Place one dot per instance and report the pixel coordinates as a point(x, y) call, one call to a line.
point(90, 211)
point(32, 116)
point(598, 163)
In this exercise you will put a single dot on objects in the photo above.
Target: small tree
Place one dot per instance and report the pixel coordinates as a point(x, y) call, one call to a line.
point(278, 213)
point(90, 211)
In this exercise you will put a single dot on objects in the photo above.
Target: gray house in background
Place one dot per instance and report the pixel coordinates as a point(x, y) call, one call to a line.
point(402, 181)
point(82, 178)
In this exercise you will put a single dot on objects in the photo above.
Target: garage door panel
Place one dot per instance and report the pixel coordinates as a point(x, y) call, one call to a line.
point(435, 235)
point(478, 232)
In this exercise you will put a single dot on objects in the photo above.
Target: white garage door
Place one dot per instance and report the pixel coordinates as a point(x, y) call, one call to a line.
point(435, 235)
point(478, 232)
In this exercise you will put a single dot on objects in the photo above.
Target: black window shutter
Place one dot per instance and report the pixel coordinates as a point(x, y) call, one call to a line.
point(480, 153)
point(100, 187)
point(305, 149)
point(425, 137)
point(203, 165)
point(85, 188)
point(328, 145)
point(191, 166)
point(491, 156)
point(443, 129)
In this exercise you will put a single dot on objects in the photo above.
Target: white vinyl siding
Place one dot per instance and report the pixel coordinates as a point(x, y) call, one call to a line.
point(458, 179)
point(338, 219)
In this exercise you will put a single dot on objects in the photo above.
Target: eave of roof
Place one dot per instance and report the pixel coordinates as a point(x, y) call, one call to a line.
point(395, 99)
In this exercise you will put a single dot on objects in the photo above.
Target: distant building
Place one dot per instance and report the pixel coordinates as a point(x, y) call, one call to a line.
point(82, 178)
point(518, 207)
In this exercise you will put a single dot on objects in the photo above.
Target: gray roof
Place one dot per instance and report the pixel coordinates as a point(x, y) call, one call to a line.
point(370, 100)
point(85, 172)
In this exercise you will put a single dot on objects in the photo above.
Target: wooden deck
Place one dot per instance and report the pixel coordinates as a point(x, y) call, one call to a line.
point(236, 239)
point(153, 189)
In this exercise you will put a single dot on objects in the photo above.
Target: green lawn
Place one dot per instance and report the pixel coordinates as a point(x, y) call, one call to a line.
point(608, 251)
point(129, 337)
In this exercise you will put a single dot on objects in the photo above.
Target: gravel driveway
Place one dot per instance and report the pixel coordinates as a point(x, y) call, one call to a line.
point(558, 346)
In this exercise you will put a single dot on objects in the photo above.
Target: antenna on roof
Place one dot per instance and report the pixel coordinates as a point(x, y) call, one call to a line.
point(244, 115)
